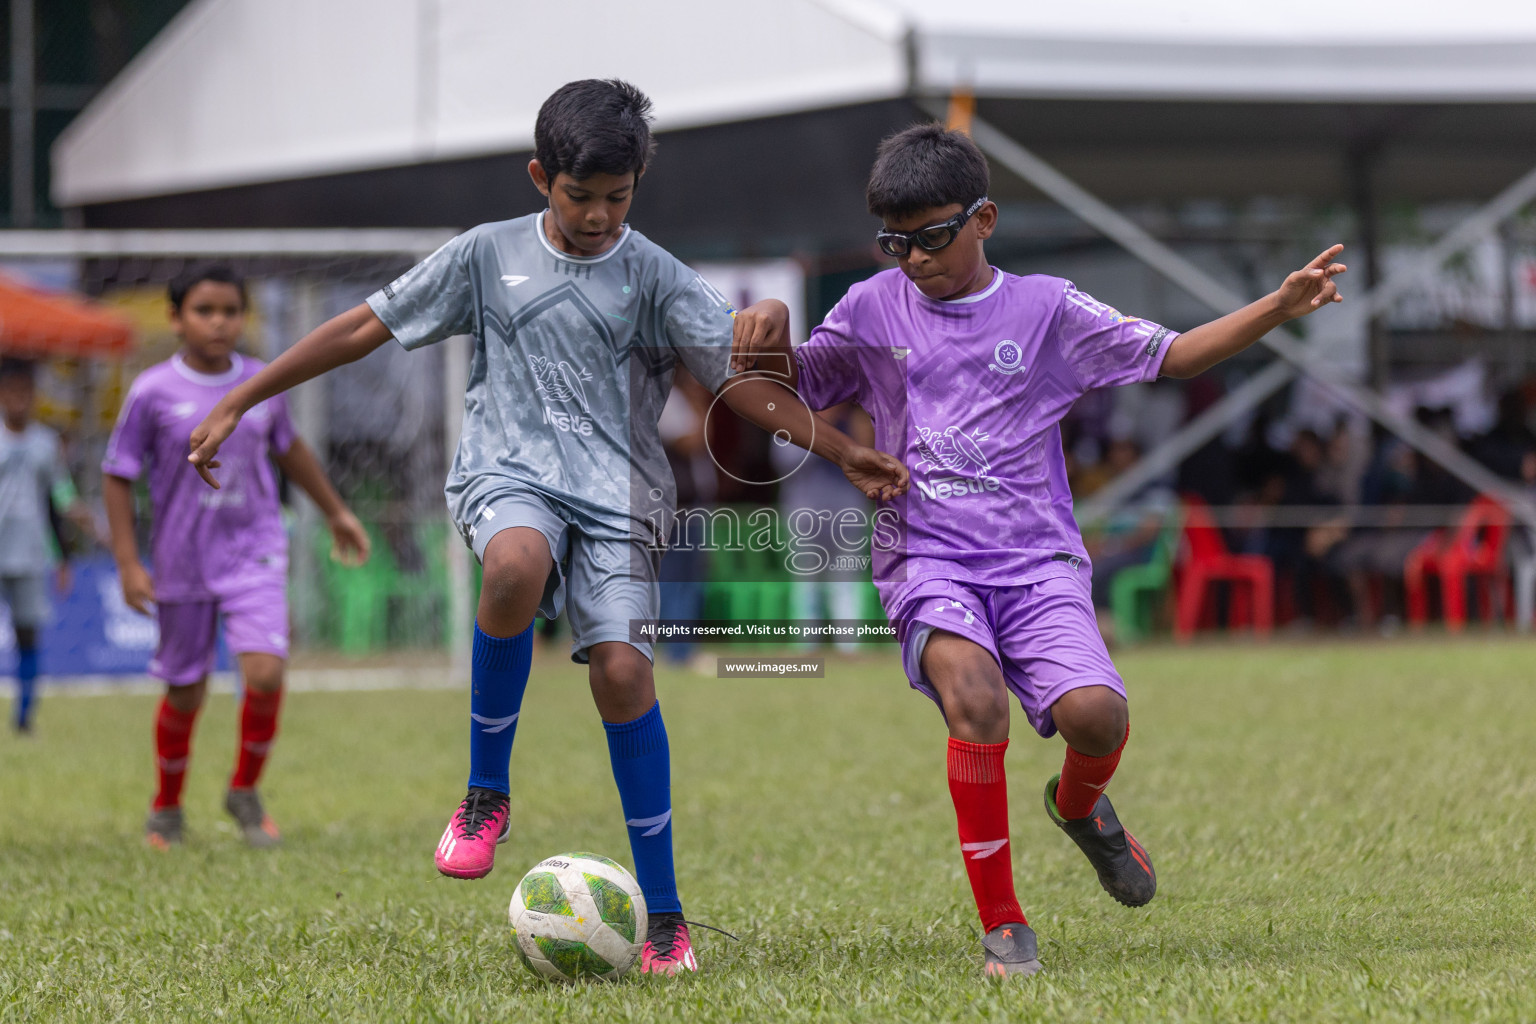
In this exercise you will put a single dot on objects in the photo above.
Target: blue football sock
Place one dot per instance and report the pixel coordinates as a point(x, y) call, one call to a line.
point(643, 771)
point(26, 685)
point(498, 677)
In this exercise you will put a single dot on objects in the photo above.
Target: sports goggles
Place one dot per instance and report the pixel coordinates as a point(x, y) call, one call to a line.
point(932, 238)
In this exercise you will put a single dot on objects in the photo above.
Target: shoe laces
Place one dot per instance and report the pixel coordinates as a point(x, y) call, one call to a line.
point(663, 934)
point(477, 810)
point(665, 931)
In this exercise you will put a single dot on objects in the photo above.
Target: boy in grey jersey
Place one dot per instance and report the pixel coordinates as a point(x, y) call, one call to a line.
point(34, 487)
point(560, 484)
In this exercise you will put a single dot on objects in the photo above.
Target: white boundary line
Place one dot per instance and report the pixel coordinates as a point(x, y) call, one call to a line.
point(314, 680)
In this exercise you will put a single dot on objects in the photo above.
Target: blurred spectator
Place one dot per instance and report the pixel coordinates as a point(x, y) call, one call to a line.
point(1522, 550)
point(1505, 446)
point(1208, 470)
point(824, 514)
point(1300, 553)
point(1400, 478)
point(1322, 564)
point(686, 562)
point(1129, 536)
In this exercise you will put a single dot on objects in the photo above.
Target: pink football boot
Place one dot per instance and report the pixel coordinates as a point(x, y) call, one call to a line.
point(668, 949)
point(468, 846)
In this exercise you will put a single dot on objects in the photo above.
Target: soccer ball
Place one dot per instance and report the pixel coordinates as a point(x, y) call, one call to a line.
point(578, 915)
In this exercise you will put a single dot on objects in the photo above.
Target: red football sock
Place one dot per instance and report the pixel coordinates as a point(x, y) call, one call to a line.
point(258, 724)
point(173, 744)
point(980, 791)
point(1083, 778)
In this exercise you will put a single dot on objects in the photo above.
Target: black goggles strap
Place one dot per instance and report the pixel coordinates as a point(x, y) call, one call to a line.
point(909, 238)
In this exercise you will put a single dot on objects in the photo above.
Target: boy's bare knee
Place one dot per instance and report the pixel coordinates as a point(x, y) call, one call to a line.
point(188, 698)
point(970, 687)
point(516, 565)
point(623, 685)
point(977, 709)
point(262, 672)
point(1092, 719)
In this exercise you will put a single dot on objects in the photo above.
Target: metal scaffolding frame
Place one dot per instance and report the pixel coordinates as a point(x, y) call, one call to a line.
point(1293, 357)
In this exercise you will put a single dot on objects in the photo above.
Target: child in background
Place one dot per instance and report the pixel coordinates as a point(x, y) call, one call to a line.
point(34, 487)
point(216, 554)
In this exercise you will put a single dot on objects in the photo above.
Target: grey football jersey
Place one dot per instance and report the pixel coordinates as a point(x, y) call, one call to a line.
point(31, 467)
point(573, 362)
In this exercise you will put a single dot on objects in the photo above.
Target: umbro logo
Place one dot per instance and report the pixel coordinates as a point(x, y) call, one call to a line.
point(652, 826)
point(513, 280)
point(981, 851)
point(494, 724)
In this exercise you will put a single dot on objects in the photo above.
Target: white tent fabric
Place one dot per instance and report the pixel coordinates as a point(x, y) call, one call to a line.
point(243, 91)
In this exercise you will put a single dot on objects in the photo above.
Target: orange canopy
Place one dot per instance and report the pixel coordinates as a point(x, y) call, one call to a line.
point(37, 324)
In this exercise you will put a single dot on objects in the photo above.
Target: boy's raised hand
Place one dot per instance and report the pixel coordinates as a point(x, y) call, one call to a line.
point(1311, 288)
point(879, 476)
point(206, 438)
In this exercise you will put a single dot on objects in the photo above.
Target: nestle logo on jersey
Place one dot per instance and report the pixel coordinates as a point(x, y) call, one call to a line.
point(955, 486)
point(562, 384)
point(958, 452)
point(568, 422)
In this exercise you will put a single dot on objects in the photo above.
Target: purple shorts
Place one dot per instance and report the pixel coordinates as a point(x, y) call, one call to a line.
point(255, 622)
point(1044, 636)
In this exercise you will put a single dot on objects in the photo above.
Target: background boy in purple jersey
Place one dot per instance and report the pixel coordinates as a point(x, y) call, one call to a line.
point(967, 372)
point(216, 554)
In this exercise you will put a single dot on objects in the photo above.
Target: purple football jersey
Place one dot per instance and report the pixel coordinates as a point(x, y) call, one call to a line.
point(969, 393)
point(205, 544)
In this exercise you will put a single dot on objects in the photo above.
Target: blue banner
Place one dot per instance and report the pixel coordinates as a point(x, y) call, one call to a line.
point(93, 631)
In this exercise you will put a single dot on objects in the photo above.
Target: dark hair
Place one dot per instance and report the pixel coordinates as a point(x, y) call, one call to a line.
point(924, 166)
point(594, 126)
point(11, 366)
point(185, 281)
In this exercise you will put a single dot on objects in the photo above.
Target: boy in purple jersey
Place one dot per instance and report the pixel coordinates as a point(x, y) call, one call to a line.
point(216, 554)
point(967, 372)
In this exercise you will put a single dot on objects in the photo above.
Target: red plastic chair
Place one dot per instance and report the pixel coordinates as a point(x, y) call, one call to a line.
point(1206, 560)
point(1474, 550)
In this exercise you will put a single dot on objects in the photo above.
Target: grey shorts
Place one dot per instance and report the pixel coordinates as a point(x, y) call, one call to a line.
point(602, 577)
point(27, 598)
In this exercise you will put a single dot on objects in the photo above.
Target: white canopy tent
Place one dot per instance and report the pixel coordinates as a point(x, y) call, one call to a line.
point(242, 91)
point(240, 96)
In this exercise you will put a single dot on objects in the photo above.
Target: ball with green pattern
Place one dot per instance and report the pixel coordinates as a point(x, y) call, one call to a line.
point(578, 915)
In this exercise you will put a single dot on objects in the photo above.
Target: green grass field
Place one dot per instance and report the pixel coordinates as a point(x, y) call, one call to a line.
point(1341, 833)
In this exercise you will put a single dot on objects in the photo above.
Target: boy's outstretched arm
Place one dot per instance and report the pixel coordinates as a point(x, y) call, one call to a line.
point(762, 392)
point(1308, 289)
point(341, 339)
point(349, 540)
point(768, 403)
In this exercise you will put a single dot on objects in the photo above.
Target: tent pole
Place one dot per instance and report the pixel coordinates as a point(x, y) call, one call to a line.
point(1132, 237)
point(23, 112)
point(1360, 170)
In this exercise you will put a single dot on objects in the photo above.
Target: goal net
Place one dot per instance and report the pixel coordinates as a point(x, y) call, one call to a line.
point(383, 427)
